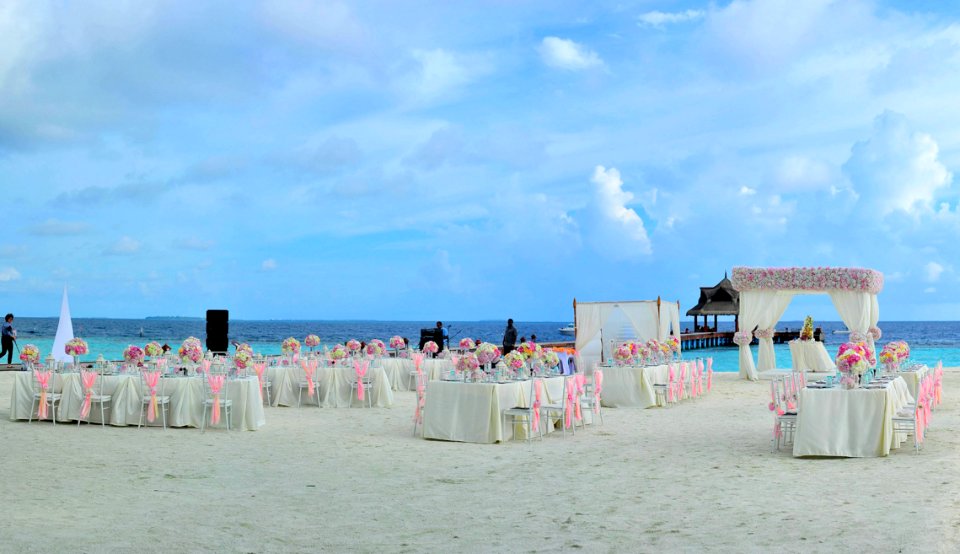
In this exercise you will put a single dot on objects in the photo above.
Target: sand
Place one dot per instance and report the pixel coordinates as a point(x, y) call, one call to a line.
point(696, 477)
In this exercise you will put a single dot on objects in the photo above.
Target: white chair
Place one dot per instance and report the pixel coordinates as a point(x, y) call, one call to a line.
point(668, 393)
point(367, 381)
point(591, 400)
point(163, 400)
point(96, 398)
point(784, 420)
point(421, 402)
point(526, 413)
point(562, 408)
point(306, 383)
point(211, 399)
point(47, 397)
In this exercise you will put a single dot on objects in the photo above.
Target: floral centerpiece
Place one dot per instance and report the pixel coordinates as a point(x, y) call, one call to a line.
point(487, 353)
point(244, 347)
point(242, 359)
point(312, 341)
point(376, 348)
point(807, 332)
point(396, 342)
point(353, 347)
point(30, 354)
point(467, 344)
point(674, 344)
point(513, 361)
point(623, 355)
point(76, 347)
point(133, 354)
point(468, 363)
point(852, 362)
point(894, 354)
point(339, 352)
point(530, 350)
point(191, 350)
point(550, 359)
point(290, 346)
point(430, 347)
point(153, 349)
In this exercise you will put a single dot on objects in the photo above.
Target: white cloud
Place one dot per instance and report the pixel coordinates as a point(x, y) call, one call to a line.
point(328, 24)
point(799, 173)
point(897, 169)
point(932, 272)
point(619, 231)
point(439, 72)
point(747, 191)
point(124, 246)
point(9, 274)
point(269, 264)
point(658, 19)
point(566, 54)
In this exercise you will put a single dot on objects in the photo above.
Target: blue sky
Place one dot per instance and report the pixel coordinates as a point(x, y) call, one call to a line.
point(454, 160)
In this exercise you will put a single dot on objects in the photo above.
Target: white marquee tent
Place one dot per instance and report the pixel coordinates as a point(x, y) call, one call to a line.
point(765, 294)
point(601, 325)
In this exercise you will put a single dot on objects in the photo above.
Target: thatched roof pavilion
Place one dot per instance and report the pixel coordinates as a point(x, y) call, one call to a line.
point(720, 299)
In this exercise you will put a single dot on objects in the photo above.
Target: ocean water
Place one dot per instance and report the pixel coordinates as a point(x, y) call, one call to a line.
point(930, 341)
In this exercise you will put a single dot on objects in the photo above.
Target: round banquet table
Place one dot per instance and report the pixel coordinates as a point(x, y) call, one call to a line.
point(810, 355)
point(185, 409)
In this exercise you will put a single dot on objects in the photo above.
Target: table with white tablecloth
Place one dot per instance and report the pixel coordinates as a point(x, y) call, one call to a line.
point(628, 386)
point(472, 412)
point(334, 384)
point(913, 376)
point(185, 408)
point(810, 355)
point(400, 371)
point(855, 423)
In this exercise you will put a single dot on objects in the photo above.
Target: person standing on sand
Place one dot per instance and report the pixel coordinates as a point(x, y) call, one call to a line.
point(445, 340)
point(509, 337)
point(7, 336)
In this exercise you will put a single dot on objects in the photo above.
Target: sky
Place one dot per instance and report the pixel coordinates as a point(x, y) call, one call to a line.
point(471, 160)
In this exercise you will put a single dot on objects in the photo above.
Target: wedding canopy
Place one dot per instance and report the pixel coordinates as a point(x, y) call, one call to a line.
point(765, 294)
point(600, 325)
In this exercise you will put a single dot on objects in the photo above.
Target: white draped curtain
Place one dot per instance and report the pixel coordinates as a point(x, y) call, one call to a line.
point(643, 318)
point(590, 320)
point(669, 320)
point(766, 358)
point(874, 318)
point(753, 306)
point(855, 309)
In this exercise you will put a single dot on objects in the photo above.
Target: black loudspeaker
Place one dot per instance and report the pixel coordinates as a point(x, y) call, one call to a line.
point(431, 333)
point(218, 327)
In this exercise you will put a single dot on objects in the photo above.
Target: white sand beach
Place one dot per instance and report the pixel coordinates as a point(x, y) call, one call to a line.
point(699, 476)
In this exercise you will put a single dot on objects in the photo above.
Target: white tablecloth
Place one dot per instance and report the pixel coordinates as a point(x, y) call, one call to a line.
point(186, 400)
point(334, 384)
point(810, 355)
point(913, 378)
point(850, 423)
point(398, 371)
point(472, 412)
point(632, 385)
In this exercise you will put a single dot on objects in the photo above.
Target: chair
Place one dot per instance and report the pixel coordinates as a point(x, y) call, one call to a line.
point(666, 392)
point(421, 402)
point(43, 398)
point(709, 374)
point(591, 400)
point(309, 382)
point(214, 399)
point(363, 383)
point(912, 419)
point(784, 421)
point(90, 380)
point(564, 408)
point(151, 399)
point(417, 368)
point(530, 414)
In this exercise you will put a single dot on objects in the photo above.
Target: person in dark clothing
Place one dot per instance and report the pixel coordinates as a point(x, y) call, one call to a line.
point(7, 337)
point(445, 340)
point(509, 337)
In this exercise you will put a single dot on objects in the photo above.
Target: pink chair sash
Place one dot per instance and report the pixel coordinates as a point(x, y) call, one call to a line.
point(421, 400)
point(418, 362)
point(709, 374)
point(205, 364)
point(580, 380)
point(571, 393)
point(43, 379)
point(671, 384)
point(361, 371)
point(309, 368)
point(597, 389)
point(151, 378)
point(537, 402)
point(87, 380)
point(259, 368)
point(774, 404)
point(216, 383)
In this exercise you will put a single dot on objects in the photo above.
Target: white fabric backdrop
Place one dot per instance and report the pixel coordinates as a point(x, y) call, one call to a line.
point(592, 323)
point(766, 359)
point(669, 320)
point(753, 304)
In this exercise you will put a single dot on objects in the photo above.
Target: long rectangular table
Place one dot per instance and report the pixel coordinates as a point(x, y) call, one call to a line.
point(913, 377)
point(625, 386)
point(398, 371)
point(186, 400)
point(472, 412)
point(810, 355)
point(334, 386)
point(854, 423)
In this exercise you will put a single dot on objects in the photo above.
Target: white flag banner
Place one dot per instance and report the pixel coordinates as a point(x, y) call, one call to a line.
point(64, 331)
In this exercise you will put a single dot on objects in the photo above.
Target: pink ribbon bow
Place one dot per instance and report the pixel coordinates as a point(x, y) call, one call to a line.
point(774, 406)
point(581, 382)
point(597, 389)
point(537, 394)
point(87, 380)
point(309, 367)
point(43, 379)
point(361, 370)
point(418, 362)
point(216, 383)
point(259, 368)
point(571, 392)
point(421, 400)
point(151, 378)
point(709, 374)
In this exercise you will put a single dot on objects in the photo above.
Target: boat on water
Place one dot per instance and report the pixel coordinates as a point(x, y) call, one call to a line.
point(569, 330)
point(841, 331)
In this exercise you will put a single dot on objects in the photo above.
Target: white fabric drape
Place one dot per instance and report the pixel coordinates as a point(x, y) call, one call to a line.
point(766, 359)
point(854, 308)
point(753, 305)
point(642, 317)
point(874, 318)
point(669, 320)
point(590, 320)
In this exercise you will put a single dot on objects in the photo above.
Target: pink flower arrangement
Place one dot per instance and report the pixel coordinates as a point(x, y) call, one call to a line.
point(76, 347)
point(241, 359)
point(654, 346)
point(550, 359)
point(487, 353)
point(376, 348)
point(30, 354)
point(894, 353)
point(623, 355)
point(244, 347)
point(191, 350)
point(674, 344)
point(430, 347)
point(530, 350)
point(807, 278)
point(353, 346)
point(467, 343)
point(338, 352)
point(153, 349)
point(468, 362)
point(852, 358)
point(133, 354)
point(397, 343)
point(290, 345)
point(312, 341)
point(513, 361)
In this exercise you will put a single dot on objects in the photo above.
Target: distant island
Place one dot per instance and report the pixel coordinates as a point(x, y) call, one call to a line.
point(173, 317)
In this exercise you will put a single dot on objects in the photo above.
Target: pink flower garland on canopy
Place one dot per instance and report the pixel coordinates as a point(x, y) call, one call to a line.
point(807, 278)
